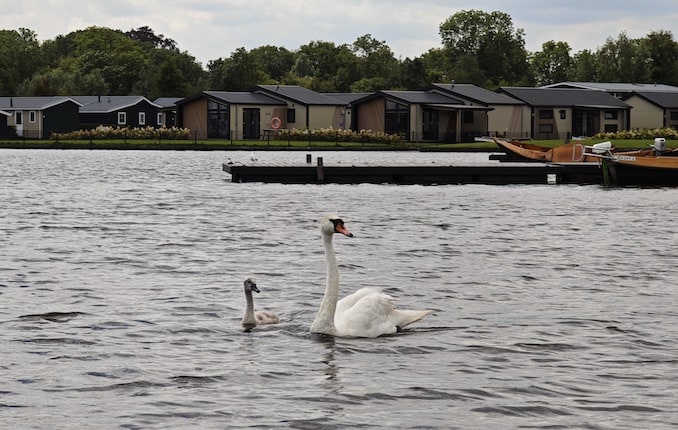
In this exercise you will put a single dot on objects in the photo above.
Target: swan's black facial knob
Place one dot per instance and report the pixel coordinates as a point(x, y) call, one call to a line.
point(254, 288)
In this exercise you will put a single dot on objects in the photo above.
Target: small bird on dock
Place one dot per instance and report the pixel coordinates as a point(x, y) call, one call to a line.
point(252, 157)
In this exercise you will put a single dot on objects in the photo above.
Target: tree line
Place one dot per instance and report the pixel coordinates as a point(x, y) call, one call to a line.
point(482, 48)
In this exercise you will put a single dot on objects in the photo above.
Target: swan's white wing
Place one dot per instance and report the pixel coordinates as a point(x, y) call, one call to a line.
point(349, 301)
point(371, 314)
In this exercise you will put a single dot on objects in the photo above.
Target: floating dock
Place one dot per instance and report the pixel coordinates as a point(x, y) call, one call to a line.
point(501, 174)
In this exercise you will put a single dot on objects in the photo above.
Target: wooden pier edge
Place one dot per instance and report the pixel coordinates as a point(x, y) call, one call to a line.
point(505, 174)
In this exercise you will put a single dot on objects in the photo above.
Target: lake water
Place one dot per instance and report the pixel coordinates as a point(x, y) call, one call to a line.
point(121, 288)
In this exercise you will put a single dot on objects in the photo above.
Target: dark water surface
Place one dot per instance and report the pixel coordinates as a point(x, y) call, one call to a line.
point(121, 288)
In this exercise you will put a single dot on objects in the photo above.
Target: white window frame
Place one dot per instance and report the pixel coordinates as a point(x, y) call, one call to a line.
point(159, 121)
point(122, 118)
point(32, 117)
point(142, 118)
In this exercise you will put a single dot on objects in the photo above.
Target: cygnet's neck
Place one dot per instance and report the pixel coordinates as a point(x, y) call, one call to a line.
point(248, 317)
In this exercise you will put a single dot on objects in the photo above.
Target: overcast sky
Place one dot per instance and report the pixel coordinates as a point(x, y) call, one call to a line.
point(212, 29)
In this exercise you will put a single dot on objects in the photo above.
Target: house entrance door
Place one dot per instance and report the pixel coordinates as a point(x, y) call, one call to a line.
point(251, 123)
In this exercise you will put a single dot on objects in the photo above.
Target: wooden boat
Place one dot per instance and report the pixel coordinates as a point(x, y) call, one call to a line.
point(573, 152)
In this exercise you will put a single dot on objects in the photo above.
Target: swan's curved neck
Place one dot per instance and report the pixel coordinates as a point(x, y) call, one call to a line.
point(248, 317)
point(324, 321)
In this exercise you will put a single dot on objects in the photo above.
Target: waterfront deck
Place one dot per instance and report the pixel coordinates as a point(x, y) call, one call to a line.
point(500, 174)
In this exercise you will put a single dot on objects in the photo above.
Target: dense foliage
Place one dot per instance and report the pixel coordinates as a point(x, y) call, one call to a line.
point(477, 47)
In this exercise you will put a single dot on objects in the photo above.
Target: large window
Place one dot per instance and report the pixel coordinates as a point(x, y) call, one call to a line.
point(397, 117)
point(217, 120)
point(610, 114)
point(122, 118)
point(291, 116)
point(673, 115)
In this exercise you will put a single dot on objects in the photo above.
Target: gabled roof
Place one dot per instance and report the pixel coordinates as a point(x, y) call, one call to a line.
point(620, 87)
point(561, 97)
point(34, 103)
point(234, 97)
point(297, 94)
point(475, 94)
point(415, 97)
point(167, 102)
point(107, 104)
point(347, 98)
point(663, 100)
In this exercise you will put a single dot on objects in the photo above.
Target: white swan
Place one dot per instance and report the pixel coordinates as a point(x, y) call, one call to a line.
point(250, 317)
point(366, 313)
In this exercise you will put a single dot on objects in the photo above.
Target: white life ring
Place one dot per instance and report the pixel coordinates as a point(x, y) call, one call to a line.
point(275, 123)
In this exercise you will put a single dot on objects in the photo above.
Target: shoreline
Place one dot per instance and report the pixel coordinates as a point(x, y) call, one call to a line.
point(154, 146)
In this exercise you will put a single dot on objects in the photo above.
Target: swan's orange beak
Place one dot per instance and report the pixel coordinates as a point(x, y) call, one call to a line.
point(343, 230)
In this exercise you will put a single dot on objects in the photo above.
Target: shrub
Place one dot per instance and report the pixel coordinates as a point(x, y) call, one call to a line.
point(107, 132)
point(640, 134)
point(338, 135)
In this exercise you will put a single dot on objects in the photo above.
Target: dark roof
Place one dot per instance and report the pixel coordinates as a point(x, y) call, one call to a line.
point(33, 103)
point(561, 97)
point(235, 97)
point(476, 94)
point(167, 102)
point(620, 87)
point(244, 97)
point(347, 98)
point(299, 95)
point(422, 97)
point(663, 100)
point(106, 104)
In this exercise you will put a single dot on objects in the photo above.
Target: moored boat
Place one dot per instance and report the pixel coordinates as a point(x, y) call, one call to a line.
point(572, 152)
point(647, 167)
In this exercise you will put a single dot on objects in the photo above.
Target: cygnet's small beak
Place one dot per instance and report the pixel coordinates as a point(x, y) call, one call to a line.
point(254, 288)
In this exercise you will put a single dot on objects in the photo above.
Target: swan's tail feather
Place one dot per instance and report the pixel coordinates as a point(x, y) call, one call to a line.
point(408, 317)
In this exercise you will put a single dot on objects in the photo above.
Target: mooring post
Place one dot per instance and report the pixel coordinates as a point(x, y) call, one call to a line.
point(320, 170)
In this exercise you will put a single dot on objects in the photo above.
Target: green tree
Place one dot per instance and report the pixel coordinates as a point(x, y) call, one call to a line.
point(491, 39)
point(552, 64)
point(19, 58)
point(663, 53)
point(333, 68)
point(584, 66)
point(239, 72)
point(377, 66)
point(276, 62)
point(147, 36)
point(622, 60)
